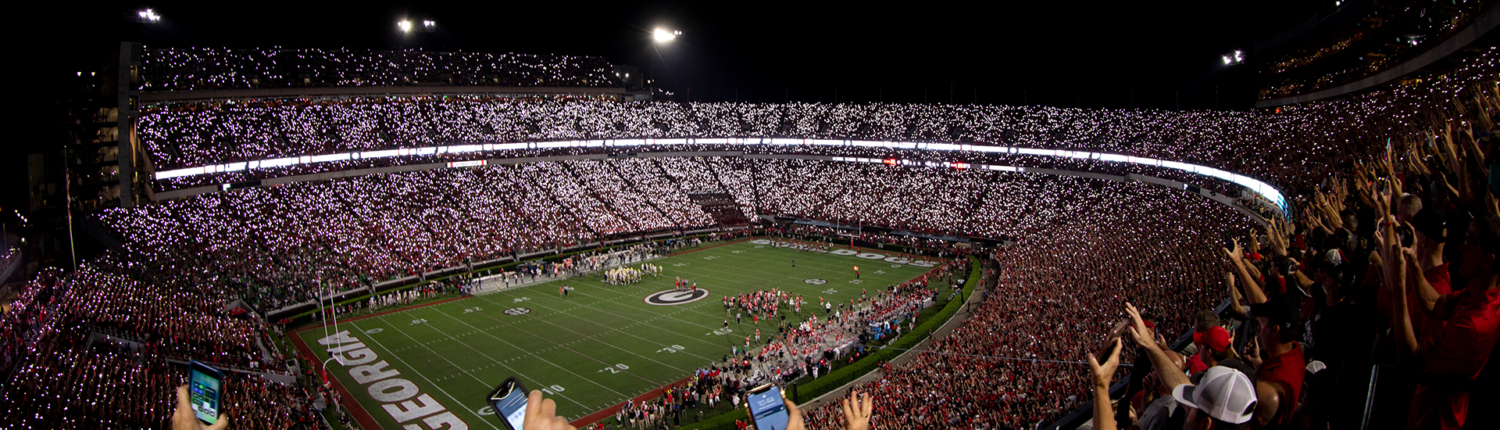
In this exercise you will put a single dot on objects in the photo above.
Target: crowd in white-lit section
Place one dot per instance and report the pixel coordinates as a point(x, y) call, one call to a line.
point(273, 244)
point(180, 136)
point(188, 69)
point(1012, 364)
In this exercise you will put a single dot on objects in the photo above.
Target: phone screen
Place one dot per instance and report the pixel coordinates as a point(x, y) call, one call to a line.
point(509, 402)
point(768, 409)
point(203, 391)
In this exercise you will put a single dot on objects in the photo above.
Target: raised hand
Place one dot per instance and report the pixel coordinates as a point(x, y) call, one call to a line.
point(185, 419)
point(860, 406)
point(794, 416)
point(1138, 331)
point(1235, 254)
point(541, 414)
point(1102, 372)
point(1252, 352)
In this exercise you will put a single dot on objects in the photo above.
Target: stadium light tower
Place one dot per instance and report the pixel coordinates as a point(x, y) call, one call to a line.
point(663, 36)
point(404, 25)
point(148, 16)
point(1234, 58)
point(429, 25)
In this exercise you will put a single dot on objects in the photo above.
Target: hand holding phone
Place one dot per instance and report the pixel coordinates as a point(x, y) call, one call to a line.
point(770, 409)
point(198, 402)
point(541, 414)
point(520, 411)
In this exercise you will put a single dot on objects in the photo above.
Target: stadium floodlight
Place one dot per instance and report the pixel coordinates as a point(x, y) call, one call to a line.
point(404, 25)
point(1233, 58)
point(662, 35)
point(148, 15)
point(429, 24)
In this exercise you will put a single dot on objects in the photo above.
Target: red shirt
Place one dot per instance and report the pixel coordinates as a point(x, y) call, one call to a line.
point(1459, 348)
point(1441, 282)
point(1285, 370)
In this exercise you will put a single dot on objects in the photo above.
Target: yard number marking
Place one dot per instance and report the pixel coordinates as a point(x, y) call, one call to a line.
point(615, 369)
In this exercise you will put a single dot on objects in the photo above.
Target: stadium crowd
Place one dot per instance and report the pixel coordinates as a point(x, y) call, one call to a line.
point(1008, 365)
point(188, 69)
point(180, 136)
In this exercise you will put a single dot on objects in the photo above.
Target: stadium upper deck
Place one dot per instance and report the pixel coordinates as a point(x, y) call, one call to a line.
point(189, 69)
point(1362, 44)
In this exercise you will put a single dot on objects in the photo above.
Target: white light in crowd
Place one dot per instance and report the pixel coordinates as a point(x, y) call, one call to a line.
point(149, 15)
point(663, 35)
point(405, 26)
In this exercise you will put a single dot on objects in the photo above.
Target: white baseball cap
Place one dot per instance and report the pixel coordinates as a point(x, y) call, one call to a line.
point(1224, 394)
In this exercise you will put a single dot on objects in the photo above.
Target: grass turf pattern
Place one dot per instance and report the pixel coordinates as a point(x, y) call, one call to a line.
point(597, 347)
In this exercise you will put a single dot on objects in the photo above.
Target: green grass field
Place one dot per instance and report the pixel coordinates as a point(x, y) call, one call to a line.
point(594, 349)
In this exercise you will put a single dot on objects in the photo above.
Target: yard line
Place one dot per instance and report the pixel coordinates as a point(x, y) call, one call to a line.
point(581, 338)
point(419, 373)
point(531, 354)
point(646, 316)
point(471, 375)
point(630, 334)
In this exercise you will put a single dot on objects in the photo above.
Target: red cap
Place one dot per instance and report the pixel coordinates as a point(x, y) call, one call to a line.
point(1217, 338)
point(1149, 324)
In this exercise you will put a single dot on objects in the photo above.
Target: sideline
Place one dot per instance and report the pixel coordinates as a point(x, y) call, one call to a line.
point(361, 415)
point(954, 321)
point(710, 247)
point(605, 413)
point(358, 410)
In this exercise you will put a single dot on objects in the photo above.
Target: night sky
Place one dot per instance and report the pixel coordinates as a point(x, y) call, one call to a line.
point(1060, 53)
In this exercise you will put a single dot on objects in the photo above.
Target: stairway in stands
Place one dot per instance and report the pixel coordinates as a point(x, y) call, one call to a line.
point(719, 205)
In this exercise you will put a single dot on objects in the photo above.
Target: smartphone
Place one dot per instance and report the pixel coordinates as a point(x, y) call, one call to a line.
point(767, 408)
point(509, 402)
point(205, 390)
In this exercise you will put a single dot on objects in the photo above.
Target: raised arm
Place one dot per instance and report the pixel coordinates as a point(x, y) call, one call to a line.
point(1435, 304)
point(1252, 288)
point(1104, 415)
point(1170, 373)
point(1395, 276)
point(1234, 299)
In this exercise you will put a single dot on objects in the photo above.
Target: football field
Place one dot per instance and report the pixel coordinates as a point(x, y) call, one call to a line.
point(426, 366)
